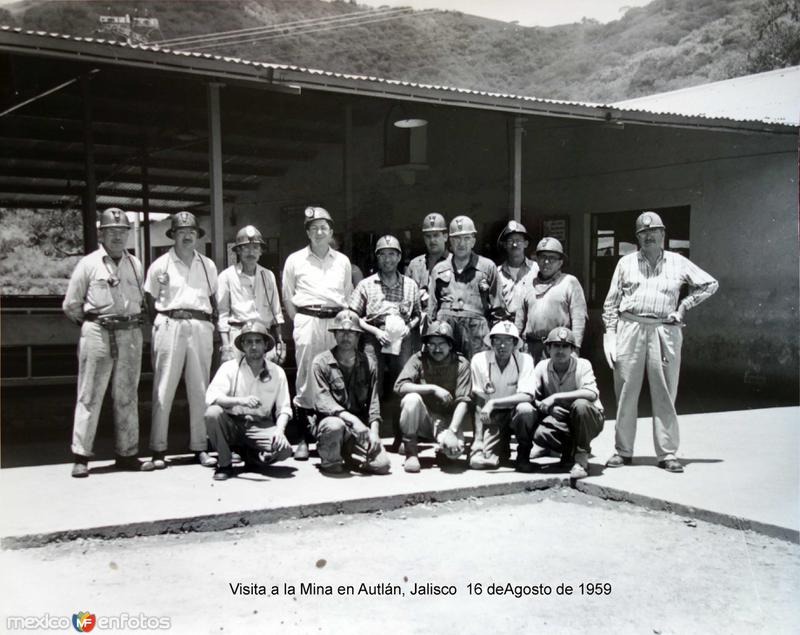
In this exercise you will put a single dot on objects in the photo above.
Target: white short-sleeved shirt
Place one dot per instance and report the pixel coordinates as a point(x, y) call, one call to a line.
point(176, 286)
point(235, 379)
point(506, 382)
point(309, 280)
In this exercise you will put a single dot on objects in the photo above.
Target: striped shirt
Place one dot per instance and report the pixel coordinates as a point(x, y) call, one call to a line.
point(638, 288)
point(373, 300)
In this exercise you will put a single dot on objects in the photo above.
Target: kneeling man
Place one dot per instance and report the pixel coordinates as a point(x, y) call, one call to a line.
point(248, 404)
point(434, 387)
point(500, 406)
point(568, 409)
point(347, 414)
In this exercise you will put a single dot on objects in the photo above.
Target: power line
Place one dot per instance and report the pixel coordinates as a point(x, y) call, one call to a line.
point(315, 30)
point(275, 27)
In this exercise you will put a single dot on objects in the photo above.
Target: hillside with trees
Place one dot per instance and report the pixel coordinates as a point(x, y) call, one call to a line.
point(665, 45)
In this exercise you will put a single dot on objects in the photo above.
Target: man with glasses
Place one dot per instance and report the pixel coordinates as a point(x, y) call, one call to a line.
point(553, 299)
point(181, 289)
point(247, 291)
point(518, 271)
point(643, 315)
point(105, 297)
point(464, 290)
point(317, 282)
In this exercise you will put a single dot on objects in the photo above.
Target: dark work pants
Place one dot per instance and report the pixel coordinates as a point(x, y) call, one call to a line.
point(575, 434)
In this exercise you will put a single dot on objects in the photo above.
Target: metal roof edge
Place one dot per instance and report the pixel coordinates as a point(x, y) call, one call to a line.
point(288, 77)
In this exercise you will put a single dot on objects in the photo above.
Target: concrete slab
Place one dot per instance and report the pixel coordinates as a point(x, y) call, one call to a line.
point(740, 465)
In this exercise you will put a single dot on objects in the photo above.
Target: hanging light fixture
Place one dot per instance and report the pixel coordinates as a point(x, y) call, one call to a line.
point(406, 120)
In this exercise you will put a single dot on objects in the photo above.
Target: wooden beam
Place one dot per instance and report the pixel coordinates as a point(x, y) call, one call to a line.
point(89, 207)
point(215, 175)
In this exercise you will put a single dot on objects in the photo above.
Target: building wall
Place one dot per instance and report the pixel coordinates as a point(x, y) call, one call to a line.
point(742, 190)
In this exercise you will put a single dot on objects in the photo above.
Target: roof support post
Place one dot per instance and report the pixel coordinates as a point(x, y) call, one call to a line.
point(347, 175)
point(89, 208)
point(147, 259)
point(215, 175)
point(516, 208)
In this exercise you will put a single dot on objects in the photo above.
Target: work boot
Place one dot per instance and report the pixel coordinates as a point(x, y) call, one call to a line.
point(80, 469)
point(411, 463)
point(205, 459)
point(670, 465)
point(157, 462)
point(128, 463)
point(523, 462)
point(618, 461)
point(301, 451)
point(581, 467)
point(481, 461)
point(335, 469)
point(224, 473)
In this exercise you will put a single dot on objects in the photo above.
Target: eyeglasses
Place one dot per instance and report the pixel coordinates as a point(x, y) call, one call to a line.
point(548, 258)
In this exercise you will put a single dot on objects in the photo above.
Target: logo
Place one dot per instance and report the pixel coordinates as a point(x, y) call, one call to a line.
point(116, 213)
point(507, 326)
point(84, 621)
point(460, 224)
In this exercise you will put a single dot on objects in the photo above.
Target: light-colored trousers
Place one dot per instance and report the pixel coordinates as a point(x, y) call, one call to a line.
point(180, 347)
point(311, 337)
point(95, 368)
point(655, 349)
point(417, 422)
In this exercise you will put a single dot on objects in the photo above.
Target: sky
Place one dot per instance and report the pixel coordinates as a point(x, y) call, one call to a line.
point(527, 12)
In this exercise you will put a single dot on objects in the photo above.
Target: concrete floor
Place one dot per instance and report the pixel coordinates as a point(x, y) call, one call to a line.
point(732, 476)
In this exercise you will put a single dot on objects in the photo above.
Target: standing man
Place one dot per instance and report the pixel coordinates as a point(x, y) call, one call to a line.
point(568, 411)
point(643, 317)
point(105, 298)
point(553, 299)
point(317, 282)
point(501, 407)
point(248, 404)
point(464, 290)
point(181, 287)
point(435, 389)
point(518, 271)
point(434, 233)
point(388, 306)
point(246, 292)
point(348, 411)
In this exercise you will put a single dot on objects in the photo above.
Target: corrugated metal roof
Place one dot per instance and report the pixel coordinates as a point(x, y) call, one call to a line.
point(286, 75)
point(772, 97)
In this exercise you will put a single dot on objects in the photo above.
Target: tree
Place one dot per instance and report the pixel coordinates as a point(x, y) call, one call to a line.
point(775, 36)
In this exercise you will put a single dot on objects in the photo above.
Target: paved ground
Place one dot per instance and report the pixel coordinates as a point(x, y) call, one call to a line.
point(739, 465)
point(664, 574)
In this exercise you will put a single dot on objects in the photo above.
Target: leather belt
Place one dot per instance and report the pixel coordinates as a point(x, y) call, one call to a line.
point(188, 314)
point(237, 323)
point(319, 311)
point(115, 322)
point(642, 319)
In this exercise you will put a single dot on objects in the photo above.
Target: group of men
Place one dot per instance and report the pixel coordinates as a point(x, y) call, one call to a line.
point(454, 339)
